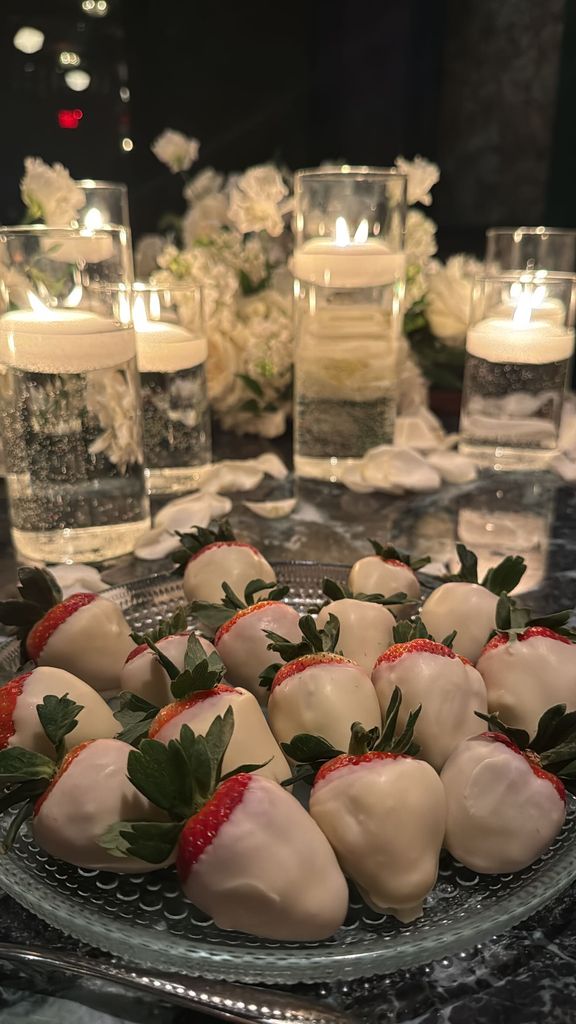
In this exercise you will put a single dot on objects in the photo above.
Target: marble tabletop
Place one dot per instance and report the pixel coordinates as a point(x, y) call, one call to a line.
point(526, 975)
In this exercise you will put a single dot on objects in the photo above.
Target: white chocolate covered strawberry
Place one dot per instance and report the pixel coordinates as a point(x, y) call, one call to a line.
point(384, 574)
point(503, 809)
point(449, 689)
point(252, 741)
point(366, 629)
point(468, 607)
point(243, 645)
point(20, 725)
point(143, 674)
point(323, 694)
point(210, 558)
point(88, 794)
point(384, 815)
point(526, 673)
point(255, 861)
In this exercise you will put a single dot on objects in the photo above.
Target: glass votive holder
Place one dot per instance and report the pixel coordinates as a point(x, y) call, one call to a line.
point(349, 270)
point(70, 401)
point(531, 248)
point(172, 350)
point(106, 204)
point(518, 351)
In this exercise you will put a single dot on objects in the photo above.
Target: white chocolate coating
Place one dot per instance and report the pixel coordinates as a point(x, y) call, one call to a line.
point(145, 676)
point(324, 700)
point(501, 816)
point(365, 629)
point(372, 575)
point(251, 743)
point(449, 692)
point(92, 794)
point(93, 644)
point(466, 607)
point(525, 678)
point(385, 820)
point(95, 721)
point(270, 871)
point(236, 565)
point(244, 648)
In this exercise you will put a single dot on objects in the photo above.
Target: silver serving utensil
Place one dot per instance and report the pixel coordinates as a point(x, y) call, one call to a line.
point(221, 999)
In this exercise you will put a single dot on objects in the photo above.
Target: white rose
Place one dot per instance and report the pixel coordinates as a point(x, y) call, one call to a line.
point(449, 296)
point(205, 217)
point(420, 242)
point(422, 175)
point(263, 182)
point(176, 150)
point(50, 193)
point(204, 183)
point(255, 201)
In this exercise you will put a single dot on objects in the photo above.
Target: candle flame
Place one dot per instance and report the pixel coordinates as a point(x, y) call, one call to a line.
point(527, 299)
point(342, 234)
point(93, 219)
point(361, 235)
point(139, 313)
point(36, 304)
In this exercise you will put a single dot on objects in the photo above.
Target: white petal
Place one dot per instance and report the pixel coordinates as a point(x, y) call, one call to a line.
point(78, 578)
point(192, 510)
point(453, 467)
point(564, 467)
point(272, 465)
point(272, 509)
point(156, 544)
point(232, 475)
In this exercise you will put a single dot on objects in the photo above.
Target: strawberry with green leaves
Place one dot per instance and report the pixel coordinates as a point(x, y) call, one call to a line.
point(505, 791)
point(387, 571)
point(198, 696)
point(449, 688)
point(529, 663)
point(143, 674)
point(366, 622)
point(383, 811)
point(248, 854)
point(75, 796)
point(317, 690)
point(85, 634)
point(468, 606)
point(208, 558)
point(241, 627)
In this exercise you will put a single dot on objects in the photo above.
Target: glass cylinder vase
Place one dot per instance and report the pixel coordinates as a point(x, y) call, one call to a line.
point(172, 350)
point(531, 248)
point(518, 352)
point(70, 401)
point(106, 204)
point(349, 271)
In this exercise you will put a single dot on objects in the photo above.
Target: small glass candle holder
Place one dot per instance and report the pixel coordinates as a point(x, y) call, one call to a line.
point(531, 248)
point(518, 352)
point(70, 401)
point(106, 205)
point(349, 270)
point(172, 350)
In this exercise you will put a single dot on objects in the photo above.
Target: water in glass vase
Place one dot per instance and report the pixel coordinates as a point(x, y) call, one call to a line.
point(73, 439)
point(345, 385)
point(514, 386)
point(177, 432)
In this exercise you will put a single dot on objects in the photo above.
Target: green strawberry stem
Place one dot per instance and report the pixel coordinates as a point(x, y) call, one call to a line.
point(339, 591)
point(197, 538)
point(501, 578)
point(513, 618)
point(38, 592)
point(213, 615)
point(390, 553)
point(313, 641)
point(554, 742)
point(414, 629)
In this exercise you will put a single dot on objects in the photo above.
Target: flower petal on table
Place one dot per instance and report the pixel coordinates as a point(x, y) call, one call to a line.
point(272, 509)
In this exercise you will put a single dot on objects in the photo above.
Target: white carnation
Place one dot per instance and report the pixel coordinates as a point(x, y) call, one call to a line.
point(203, 184)
point(449, 296)
point(422, 175)
point(256, 199)
point(205, 217)
point(176, 150)
point(420, 242)
point(50, 193)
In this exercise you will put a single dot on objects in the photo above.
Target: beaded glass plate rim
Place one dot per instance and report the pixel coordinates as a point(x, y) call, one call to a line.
point(288, 964)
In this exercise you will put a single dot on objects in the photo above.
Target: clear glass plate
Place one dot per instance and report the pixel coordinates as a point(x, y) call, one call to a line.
point(145, 918)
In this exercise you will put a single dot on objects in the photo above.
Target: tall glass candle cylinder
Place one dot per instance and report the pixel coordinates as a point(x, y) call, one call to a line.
point(518, 352)
point(70, 401)
point(531, 248)
point(172, 350)
point(106, 205)
point(349, 271)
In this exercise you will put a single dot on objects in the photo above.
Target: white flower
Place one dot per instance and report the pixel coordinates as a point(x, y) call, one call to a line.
point(255, 201)
point(146, 253)
point(175, 150)
point(422, 175)
point(50, 193)
point(420, 242)
point(203, 184)
point(205, 217)
point(112, 403)
point(449, 296)
point(222, 365)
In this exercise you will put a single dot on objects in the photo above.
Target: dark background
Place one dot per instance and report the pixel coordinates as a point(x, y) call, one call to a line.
point(486, 88)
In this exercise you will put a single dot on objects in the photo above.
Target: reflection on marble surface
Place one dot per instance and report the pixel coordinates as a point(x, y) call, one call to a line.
point(524, 977)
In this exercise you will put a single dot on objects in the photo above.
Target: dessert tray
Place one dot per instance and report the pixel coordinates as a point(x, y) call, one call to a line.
point(147, 920)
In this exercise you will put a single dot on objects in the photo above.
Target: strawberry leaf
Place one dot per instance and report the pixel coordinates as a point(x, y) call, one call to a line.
point(335, 591)
point(16, 764)
point(231, 599)
point(135, 715)
point(448, 641)
point(266, 677)
point(160, 773)
point(399, 598)
point(407, 630)
point(518, 736)
point(390, 720)
point(547, 726)
point(23, 614)
point(200, 672)
point(257, 586)
point(245, 768)
point(151, 841)
point(19, 794)
point(22, 814)
point(172, 626)
point(169, 667)
point(502, 578)
point(362, 740)
point(217, 740)
point(405, 743)
point(58, 717)
point(211, 615)
point(198, 538)
point(308, 749)
point(468, 571)
point(199, 765)
point(39, 586)
point(389, 552)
